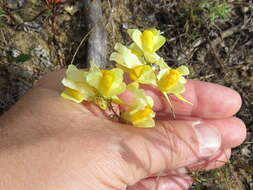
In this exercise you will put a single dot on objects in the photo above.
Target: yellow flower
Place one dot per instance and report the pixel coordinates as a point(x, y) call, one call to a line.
point(151, 58)
point(73, 95)
point(77, 88)
point(146, 43)
point(129, 62)
point(140, 113)
point(124, 57)
point(172, 81)
point(98, 86)
point(108, 83)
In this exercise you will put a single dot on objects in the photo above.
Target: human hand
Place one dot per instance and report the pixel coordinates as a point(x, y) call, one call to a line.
point(48, 142)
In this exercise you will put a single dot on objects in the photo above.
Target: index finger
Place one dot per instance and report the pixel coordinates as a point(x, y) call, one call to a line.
point(210, 101)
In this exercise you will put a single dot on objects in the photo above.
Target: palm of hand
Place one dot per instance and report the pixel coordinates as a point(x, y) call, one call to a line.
point(83, 151)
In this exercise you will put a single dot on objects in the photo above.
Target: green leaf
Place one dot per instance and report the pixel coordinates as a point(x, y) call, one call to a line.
point(2, 12)
point(1, 19)
point(21, 58)
point(49, 12)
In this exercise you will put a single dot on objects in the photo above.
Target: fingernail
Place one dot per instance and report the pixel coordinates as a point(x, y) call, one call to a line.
point(208, 137)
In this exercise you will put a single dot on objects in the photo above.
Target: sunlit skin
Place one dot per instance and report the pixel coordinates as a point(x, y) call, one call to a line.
point(86, 146)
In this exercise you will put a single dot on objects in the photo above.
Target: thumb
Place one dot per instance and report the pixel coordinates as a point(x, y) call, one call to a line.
point(169, 146)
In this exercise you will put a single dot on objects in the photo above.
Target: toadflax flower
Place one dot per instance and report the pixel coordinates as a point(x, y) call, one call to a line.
point(172, 81)
point(142, 65)
point(108, 84)
point(98, 86)
point(146, 43)
point(77, 89)
point(140, 112)
point(137, 69)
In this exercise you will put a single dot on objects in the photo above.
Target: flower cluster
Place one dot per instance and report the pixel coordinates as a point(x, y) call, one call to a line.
point(138, 62)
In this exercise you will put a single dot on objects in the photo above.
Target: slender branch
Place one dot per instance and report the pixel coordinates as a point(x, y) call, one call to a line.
point(97, 46)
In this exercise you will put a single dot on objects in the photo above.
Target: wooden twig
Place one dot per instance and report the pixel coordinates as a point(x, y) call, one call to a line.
point(97, 46)
point(240, 3)
point(3, 38)
point(216, 54)
point(226, 34)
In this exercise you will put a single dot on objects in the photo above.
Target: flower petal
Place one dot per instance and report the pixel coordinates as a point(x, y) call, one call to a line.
point(75, 74)
point(125, 57)
point(176, 89)
point(159, 41)
point(162, 73)
point(93, 66)
point(182, 80)
point(136, 36)
point(111, 83)
point(183, 70)
point(135, 50)
point(133, 86)
point(87, 91)
point(148, 77)
point(161, 63)
point(73, 95)
point(142, 118)
point(94, 78)
point(146, 123)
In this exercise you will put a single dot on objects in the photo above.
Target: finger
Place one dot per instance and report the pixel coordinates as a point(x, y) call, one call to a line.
point(182, 182)
point(232, 130)
point(216, 161)
point(171, 145)
point(209, 100)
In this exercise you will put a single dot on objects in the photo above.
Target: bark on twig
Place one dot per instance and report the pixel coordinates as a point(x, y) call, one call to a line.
point(97, 41)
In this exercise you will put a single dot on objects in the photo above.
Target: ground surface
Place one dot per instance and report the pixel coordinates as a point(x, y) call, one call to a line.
point(36, 37)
